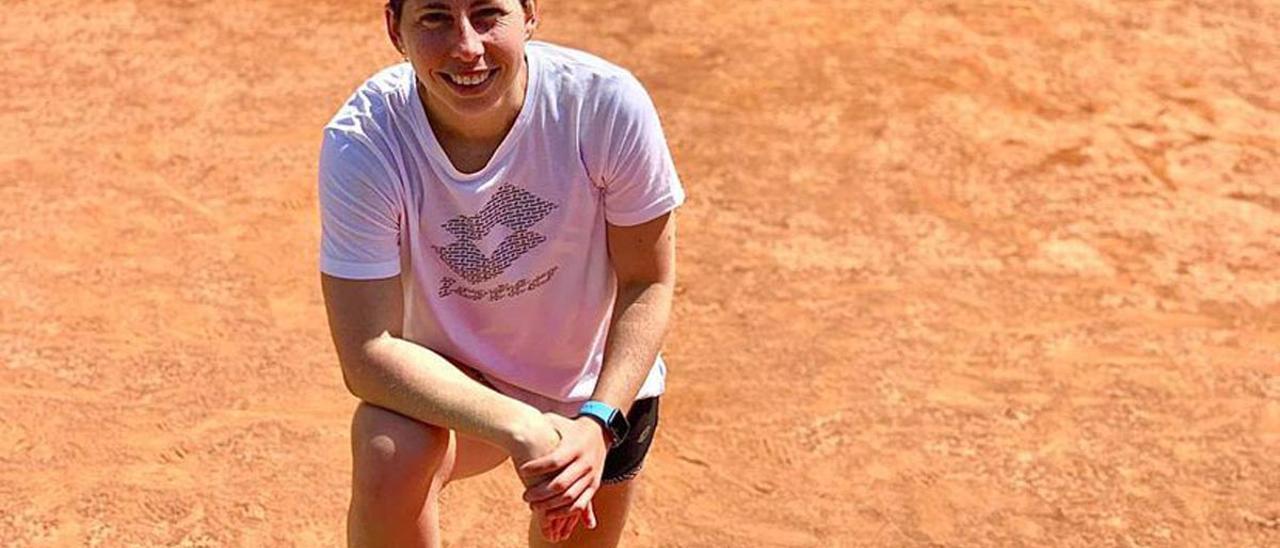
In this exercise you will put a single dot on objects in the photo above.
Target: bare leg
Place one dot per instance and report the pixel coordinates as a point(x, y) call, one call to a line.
point(400, 465)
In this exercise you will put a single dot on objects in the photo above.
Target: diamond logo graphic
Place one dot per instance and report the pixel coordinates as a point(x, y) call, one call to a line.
point(513, 208)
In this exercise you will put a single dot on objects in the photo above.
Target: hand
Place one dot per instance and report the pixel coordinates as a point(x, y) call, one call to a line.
point(538, 437)
point(557, 529)
point(575, 468)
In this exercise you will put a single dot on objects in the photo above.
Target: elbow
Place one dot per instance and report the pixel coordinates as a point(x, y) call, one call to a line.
point(359, 364)
point(349, 379)
point(355, 369)
point(352, 378)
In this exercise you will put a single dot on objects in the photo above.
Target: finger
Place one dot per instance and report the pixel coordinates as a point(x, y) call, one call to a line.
point(563, 481)
point(591, 516)
point(577, 508)
point(550, 526)
point(568, 497)
point(555, 460)
point(548, 532)
point(580, 505)
point(553, 533)
point(566, 528)
point(554, 482)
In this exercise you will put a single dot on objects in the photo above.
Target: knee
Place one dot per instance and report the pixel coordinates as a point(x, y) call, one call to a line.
point(396, 459)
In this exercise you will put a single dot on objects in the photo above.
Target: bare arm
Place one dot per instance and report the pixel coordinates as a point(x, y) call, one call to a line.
point(379, 367)
point(643, 258)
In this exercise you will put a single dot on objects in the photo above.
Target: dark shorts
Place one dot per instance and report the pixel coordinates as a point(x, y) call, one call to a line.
point(625, 461)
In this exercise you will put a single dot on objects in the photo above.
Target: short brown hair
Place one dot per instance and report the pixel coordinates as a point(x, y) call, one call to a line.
point(397, 6)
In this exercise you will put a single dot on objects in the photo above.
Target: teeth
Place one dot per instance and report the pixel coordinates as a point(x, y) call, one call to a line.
point(470, 80)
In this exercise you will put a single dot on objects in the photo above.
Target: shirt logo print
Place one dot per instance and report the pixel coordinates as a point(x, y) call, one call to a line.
point(511, 207)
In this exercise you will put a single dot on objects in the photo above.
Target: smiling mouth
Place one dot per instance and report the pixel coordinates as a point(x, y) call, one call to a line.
point(470, 80)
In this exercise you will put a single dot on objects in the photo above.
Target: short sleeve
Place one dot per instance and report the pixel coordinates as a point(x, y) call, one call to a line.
point(359, 211)
point(627, 156)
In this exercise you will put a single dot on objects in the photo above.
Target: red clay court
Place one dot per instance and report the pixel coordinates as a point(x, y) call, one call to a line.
point(953, 273)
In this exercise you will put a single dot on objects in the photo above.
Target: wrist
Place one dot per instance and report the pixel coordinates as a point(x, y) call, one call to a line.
point(598, 430)
point(530, 436)
point(608, 418)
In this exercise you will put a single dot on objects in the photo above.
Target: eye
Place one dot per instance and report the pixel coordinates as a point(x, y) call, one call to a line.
point(434, 18)
point(486, 18)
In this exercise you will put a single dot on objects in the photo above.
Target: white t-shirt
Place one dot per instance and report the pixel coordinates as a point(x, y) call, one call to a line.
point(507, 269)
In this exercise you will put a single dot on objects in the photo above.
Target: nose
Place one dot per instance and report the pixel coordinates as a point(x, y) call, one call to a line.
point(468, 46)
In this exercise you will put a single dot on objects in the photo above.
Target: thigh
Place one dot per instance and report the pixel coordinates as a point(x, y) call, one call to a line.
point(388, 444)
point(397, 463)
point(473, 456)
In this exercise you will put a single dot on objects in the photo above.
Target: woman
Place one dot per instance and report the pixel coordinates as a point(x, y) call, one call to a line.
point(497, 260)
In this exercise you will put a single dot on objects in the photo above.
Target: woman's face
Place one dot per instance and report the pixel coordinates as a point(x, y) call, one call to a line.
point(469, 54)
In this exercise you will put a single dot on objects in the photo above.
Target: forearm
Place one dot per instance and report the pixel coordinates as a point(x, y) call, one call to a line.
point(639, 324)
point(414, 381)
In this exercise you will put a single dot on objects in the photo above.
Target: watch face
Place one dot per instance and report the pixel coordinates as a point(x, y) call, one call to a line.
point(612, 419)
point(618, 424)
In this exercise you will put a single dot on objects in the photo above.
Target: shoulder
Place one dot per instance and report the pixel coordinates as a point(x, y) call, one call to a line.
point(357, 137)
point(374, 106)
point(586, 77)
point(566, 61)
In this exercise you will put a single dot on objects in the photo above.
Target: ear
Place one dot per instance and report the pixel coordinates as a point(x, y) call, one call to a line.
point(393, 30)
point(531, 18)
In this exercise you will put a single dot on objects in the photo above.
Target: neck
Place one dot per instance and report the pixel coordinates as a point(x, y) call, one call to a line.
point(492, 126)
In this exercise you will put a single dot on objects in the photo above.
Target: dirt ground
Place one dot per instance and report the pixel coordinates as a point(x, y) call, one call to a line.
point(953, 273)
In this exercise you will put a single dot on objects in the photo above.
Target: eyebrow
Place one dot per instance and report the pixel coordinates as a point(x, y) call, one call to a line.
point(445, 6)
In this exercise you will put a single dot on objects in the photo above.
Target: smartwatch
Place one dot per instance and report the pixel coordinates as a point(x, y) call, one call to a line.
point(610, 418)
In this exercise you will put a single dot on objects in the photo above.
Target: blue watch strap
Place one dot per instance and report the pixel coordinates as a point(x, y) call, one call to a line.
point(602, 413)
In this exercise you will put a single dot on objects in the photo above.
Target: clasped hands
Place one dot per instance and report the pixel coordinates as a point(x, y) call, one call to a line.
point(561, 484)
